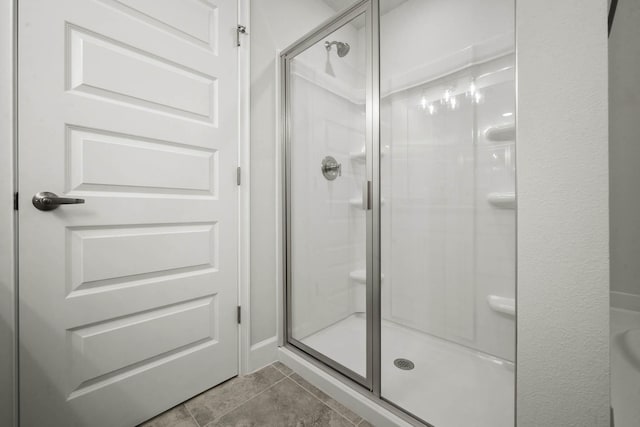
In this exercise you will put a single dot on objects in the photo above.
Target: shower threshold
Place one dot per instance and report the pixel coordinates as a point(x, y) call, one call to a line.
point(449, 386)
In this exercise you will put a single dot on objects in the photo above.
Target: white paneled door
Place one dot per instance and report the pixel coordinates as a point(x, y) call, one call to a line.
point(128, 301)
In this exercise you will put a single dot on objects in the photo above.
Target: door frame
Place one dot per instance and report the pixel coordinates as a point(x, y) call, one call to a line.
point(8, 215)
point(9, 227)
point(244, 197)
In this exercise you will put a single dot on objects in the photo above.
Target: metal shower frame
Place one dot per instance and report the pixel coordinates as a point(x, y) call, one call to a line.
point(370, 384)
point(368, 9)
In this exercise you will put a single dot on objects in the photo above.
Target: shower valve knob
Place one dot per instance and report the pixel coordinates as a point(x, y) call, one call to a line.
point(330, 168)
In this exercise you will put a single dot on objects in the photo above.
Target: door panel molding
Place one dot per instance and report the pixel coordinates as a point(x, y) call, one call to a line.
point(131, 306)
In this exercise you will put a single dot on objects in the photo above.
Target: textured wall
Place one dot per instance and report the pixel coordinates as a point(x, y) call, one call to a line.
point(563, 259)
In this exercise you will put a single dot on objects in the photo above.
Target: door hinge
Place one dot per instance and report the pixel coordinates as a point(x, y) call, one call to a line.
point(239, 314)
point(238, 175)
point(241, 29)
point(15, 201)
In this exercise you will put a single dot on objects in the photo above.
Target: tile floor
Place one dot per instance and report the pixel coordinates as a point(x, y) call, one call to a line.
point(272, 396)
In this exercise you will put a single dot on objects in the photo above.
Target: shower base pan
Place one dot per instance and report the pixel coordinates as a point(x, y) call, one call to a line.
point(449, 385)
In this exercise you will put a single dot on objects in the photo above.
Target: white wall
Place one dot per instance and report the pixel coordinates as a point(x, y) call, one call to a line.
point(624, 147)
point(7, 296)
point(563, 259)
point(275, 24)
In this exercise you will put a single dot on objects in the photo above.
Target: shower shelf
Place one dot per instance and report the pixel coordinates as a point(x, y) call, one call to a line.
point(502, 304)
point(505, 200)
point(501, 133)
point(360, 276)
point(357, 202)
point(360, 156)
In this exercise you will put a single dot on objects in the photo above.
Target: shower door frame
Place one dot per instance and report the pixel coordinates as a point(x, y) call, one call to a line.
point(370, 10)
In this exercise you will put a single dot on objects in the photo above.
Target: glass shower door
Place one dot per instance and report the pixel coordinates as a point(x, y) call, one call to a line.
point(447, 175)
point(400, 204)
point(327, 166)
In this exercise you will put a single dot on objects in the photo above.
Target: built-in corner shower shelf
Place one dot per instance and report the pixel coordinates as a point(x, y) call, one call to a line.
point(501, 133)
point(360, 156)
point(502, 200)
point(360, 276)
point(357, 202)
point(502, 305)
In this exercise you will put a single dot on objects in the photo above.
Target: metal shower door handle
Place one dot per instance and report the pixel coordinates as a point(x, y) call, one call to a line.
point(367, 194)
point(47, 201)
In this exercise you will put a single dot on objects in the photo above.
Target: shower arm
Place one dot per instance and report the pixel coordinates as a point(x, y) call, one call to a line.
point(342, 48)
point(327, 45)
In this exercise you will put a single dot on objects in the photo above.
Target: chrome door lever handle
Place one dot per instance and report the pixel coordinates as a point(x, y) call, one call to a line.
point(47, 201)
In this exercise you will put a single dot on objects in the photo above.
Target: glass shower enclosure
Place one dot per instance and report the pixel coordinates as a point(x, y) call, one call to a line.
point(399, 204)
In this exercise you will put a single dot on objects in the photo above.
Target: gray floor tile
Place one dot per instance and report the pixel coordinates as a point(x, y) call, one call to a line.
point(285, 404)
point(365, 423)
point(175, 417)
point(351, 416)
point(214, 403)
point(283, 368)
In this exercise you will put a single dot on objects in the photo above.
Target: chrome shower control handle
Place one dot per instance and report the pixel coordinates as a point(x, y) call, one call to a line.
point(330, 168)
point(47, 201)
point(334, 167)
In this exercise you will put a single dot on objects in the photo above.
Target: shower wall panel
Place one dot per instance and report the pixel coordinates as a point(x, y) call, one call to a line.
point(448, 171)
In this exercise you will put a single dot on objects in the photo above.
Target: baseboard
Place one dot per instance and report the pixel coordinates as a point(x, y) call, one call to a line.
point(625, 301)
point(263, 353)
point(347, 396)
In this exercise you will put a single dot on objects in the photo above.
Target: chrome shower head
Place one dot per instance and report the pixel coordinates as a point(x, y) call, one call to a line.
point(341, 48)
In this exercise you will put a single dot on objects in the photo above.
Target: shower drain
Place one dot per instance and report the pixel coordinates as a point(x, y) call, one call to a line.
point(404, 364)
